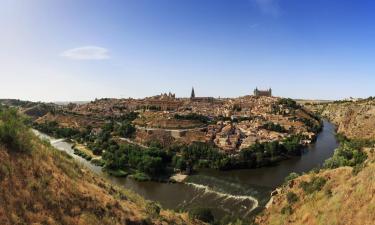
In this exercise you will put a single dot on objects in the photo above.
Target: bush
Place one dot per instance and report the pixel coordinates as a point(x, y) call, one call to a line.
point(287, 210)
point(347, 154)
point(13, 132)
point(126, 129)
point(203, 214)
point(141, 177)
point(153, 208)
point(98, 162)
point(316, 184)
point(117, 173)
point(288, 102)
point(290, 177)
point(358, 168)
point(192, 116)
point(291, 197)
point(274, 127)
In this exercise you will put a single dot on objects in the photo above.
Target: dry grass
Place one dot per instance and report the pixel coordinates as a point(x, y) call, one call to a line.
point(345, 199)
point(47, 187)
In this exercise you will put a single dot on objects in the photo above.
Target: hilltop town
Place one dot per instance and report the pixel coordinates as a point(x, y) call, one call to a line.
point(231, 124)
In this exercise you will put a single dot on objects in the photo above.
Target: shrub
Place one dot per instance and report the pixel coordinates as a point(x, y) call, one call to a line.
point(203, 214)
point(141, 177)
point(316, 184)
point(358, 168)
point(288, 102)
point(98, 162)
point(117, 173)
point(274, 127)
point(192, 116)
point(347, 154)
point(287, 210)
point(126, 129)
point(290, 177)
point(328, 192)
point(153, 208)
point(13, 132)
point(291, 197)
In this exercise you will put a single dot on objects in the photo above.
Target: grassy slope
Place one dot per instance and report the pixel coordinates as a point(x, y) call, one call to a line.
point(45, 186)
point(345, 199)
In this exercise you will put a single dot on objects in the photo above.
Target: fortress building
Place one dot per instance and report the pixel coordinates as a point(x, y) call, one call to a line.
point(267, 93)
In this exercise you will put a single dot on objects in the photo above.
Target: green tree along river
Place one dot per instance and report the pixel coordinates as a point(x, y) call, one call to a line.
point(239, 193)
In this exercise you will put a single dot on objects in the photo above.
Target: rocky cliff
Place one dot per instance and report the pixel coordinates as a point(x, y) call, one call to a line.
point(353, 119)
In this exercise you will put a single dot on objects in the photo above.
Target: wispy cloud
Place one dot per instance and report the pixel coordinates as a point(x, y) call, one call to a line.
point(269, 7)
point(87, 53)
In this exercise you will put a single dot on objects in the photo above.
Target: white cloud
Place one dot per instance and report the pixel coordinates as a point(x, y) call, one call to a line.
point(87, 53)
point(270, 7)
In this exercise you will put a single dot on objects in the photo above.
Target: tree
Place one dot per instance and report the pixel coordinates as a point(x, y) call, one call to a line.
point(203, 214)
point(126, 129)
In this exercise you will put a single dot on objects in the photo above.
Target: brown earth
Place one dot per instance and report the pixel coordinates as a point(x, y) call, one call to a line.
point(71, 120)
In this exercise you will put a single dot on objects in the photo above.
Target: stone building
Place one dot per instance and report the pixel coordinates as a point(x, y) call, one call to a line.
point(267, 93)
point(193, 98)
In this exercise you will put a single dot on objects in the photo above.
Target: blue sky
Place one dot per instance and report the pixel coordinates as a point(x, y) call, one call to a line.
point(86, 49)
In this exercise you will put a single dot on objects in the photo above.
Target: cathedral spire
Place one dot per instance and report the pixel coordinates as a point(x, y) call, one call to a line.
point(192, 93)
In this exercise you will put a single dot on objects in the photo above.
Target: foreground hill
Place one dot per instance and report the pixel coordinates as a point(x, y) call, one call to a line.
point(343, 191)
point(337, 196)
point(41, 185)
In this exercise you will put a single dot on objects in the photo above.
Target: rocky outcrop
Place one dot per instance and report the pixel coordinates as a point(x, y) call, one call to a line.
point(353, 119)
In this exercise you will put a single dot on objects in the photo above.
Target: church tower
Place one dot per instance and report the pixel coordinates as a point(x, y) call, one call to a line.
point(192, 93)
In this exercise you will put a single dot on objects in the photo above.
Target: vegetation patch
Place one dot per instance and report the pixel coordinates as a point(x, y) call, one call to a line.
point(349, 153)
point(291, 177)
point(153, 209)
point(291, 197)
point(192, 116)
point(316, 184)
point(117, 173)
point(98, 162)
point(203, 214)
point(82, 154)
point(274, 127)
point(13, 132)
point(287, 210)
point(141, 177)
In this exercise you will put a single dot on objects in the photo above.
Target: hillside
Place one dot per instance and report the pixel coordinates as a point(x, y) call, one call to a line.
point(345, 198)
point(41, 185)
point(343, 191)
point(354, 119)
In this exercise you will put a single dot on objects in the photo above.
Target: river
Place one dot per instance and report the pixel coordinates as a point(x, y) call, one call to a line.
point(239, 193)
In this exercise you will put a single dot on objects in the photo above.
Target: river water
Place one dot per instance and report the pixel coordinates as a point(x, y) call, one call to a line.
point(239, 193)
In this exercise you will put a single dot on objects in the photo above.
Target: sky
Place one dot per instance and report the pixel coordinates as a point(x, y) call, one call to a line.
point(76, 50)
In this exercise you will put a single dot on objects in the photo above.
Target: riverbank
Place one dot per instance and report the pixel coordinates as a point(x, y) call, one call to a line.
point(212, 184)
point(180, 178)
